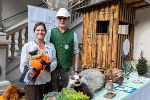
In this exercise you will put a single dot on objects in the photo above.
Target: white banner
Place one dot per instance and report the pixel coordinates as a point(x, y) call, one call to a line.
point(36, 14)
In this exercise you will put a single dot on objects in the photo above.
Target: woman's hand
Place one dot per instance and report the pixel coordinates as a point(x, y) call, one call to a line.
point(30, 73)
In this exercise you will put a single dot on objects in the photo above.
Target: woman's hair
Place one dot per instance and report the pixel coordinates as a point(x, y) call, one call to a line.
point(40, 23)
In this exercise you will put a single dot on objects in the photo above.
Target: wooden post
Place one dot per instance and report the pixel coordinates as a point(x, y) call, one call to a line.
point(115, 35)
point(110, 37)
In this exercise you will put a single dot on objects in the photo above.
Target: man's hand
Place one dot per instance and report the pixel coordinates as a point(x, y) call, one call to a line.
point(76, 72)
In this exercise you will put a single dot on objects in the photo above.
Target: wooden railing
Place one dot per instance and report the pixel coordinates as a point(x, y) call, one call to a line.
point(18, 35)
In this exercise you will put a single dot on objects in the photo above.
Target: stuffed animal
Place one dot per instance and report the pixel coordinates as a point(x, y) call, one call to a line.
point(118, 76)
point(88, 81)
point(109, 86)
point(12, 92)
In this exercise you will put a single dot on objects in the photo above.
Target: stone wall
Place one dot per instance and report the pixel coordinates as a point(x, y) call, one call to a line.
point(4, 56)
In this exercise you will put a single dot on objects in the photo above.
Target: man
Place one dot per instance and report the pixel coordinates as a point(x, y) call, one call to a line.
point(66, 44)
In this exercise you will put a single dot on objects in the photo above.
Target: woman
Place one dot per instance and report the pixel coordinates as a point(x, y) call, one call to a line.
point(35, 92)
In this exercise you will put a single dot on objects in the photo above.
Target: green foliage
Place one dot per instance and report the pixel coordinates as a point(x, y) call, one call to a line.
point(50, 94)
point(71, 94)
point(77, 96)
point(142, 65)
point(66, 94)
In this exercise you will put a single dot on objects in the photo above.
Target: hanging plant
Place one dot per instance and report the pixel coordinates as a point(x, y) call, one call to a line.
point(142, 65)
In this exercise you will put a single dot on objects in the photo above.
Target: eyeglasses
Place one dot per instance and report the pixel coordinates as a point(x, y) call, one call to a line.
point(60, 18)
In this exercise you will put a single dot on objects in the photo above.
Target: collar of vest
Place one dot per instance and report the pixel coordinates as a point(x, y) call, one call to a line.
point(63, 32)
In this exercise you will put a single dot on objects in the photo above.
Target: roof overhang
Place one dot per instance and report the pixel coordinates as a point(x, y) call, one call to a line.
point(137, 4)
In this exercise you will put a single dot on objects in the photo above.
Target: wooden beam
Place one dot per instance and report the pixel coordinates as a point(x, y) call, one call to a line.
point(144, 6)
point(137, 2)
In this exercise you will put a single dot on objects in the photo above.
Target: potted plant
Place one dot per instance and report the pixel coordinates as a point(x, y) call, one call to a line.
point(142, 66)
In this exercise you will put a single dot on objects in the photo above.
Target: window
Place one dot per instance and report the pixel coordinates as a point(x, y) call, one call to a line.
point(123, 28)
point(102, 27)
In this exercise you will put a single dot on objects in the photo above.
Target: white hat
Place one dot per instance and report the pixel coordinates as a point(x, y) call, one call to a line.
point(63, 12)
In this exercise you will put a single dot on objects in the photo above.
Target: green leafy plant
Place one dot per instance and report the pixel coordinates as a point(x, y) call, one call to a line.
point(77, 96)
point(50, 94)
point(71, 94)
point(66, 94)
point(142, 65)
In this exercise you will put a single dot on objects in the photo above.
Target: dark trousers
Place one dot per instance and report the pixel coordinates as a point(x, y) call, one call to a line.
point(35, 92)
point(60, 78)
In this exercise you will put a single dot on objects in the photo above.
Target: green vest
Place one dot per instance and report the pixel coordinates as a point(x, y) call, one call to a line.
point(63, 43)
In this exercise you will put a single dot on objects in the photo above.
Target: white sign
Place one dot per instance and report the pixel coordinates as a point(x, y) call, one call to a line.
point(36, 14)
point(126, 46)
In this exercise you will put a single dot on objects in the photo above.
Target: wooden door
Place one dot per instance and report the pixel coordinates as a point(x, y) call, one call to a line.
point(106, 35)
point(100, 42)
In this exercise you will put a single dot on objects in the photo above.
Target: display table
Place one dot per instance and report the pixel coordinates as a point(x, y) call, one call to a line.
point(129, 90)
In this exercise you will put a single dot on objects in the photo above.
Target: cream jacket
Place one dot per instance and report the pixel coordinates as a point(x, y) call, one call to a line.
point(49, 51)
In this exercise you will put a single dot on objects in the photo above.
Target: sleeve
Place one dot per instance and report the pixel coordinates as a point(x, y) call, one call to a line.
point(53, 64)
point(24, 57)
point(47, 37)
point(76, 47)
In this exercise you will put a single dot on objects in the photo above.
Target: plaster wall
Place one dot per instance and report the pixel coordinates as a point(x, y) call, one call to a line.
point(78, 31)
point(142, 34)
